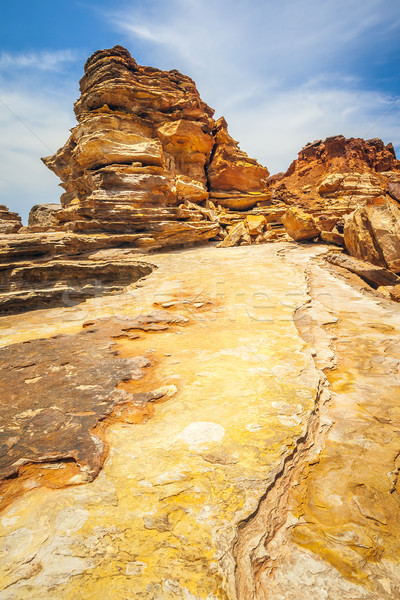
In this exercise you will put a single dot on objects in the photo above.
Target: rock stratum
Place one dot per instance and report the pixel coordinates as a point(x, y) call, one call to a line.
point(228, 430)
point(145, 145)
point(212, 423)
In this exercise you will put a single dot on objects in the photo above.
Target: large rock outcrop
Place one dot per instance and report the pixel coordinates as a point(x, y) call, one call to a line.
point(145, 145)
point(337, 174)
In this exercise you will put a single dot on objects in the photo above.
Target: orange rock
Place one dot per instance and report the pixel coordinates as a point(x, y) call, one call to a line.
point(336, 175)
point(372, 233)
point(299, 225)
point(236, 181)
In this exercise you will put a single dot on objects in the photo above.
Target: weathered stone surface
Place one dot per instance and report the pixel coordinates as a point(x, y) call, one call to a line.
point(10, 222)
point(270, 473)
point(55, 393)
point(299, 225)
point(163, 514)
point(394, 190)
point(372, 233)
point(332, 237)
point(336, 175)
point(374, 275)
point(340, 536)
point(143, 145)
point(65, 282)
point(43, 215)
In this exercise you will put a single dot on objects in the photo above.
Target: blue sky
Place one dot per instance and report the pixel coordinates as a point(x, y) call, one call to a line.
point(282, 73)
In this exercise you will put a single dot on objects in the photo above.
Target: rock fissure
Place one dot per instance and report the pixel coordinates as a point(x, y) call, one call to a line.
point(257, 532)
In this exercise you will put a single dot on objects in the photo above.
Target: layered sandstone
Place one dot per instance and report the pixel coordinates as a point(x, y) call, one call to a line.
point(235, 181)
point(227, 431)
point(10, 222)
point(44, 215)
point(145, 146)
point(337, 174)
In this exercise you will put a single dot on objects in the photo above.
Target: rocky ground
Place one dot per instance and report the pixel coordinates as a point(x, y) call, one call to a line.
point(245, 447)
point(210, 423)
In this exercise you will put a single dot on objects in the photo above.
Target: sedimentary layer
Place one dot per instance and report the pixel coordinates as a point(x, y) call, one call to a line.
point(145, 144)
point(233, 486)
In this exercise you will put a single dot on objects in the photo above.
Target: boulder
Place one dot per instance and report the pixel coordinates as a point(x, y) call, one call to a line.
point(332, 237)
point(372, 233)
point(300, 225)
point(373, 275)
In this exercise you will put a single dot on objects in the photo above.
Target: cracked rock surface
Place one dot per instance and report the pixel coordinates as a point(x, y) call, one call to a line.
point(268, 467)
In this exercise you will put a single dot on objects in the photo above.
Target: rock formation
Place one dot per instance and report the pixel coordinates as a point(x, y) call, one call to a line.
point(10, 222)
point(145, 145)
point(337, 174)
point(44, 215)
point(228, 430)
point(372, 233)
point(207, 424)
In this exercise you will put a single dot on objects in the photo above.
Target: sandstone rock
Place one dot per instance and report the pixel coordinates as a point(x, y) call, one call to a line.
point(64, 282)
point(336, 175)
point(236, 181)
point(373, 275)
point(394, 190)
point(332, 237)
point(372, 233)
point(10, 222)
point(299, 225)
point(272, 472)
point(394, 292)
point(141, 148)
point(255, 224)
point(43, 215)
point(60, 390)
point(144, 144)
point(234, 236)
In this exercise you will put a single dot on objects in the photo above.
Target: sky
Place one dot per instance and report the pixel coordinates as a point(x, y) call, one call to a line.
point(283, 73)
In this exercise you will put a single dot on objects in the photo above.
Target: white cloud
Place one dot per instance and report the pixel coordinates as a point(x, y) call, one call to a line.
point(34, 122)
point(43, 61)
point(281, 73)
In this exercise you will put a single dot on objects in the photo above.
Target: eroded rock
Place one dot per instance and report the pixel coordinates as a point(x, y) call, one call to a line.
point(57, 391)
point(300, 225)
point(10, 222)
point(372, 233)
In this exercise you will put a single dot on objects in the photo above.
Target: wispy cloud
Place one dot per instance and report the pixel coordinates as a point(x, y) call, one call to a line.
point(282, 73)
point(43, 61)
point(35, 116)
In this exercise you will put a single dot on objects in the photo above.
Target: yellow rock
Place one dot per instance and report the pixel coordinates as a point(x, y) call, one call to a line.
point(255, 224)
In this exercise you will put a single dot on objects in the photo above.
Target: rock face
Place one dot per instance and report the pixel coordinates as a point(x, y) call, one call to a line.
point(337, 174)
point(44, 215)
point(10, 222)
point(372, 233)
point(235, 181)
point(145, 144)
